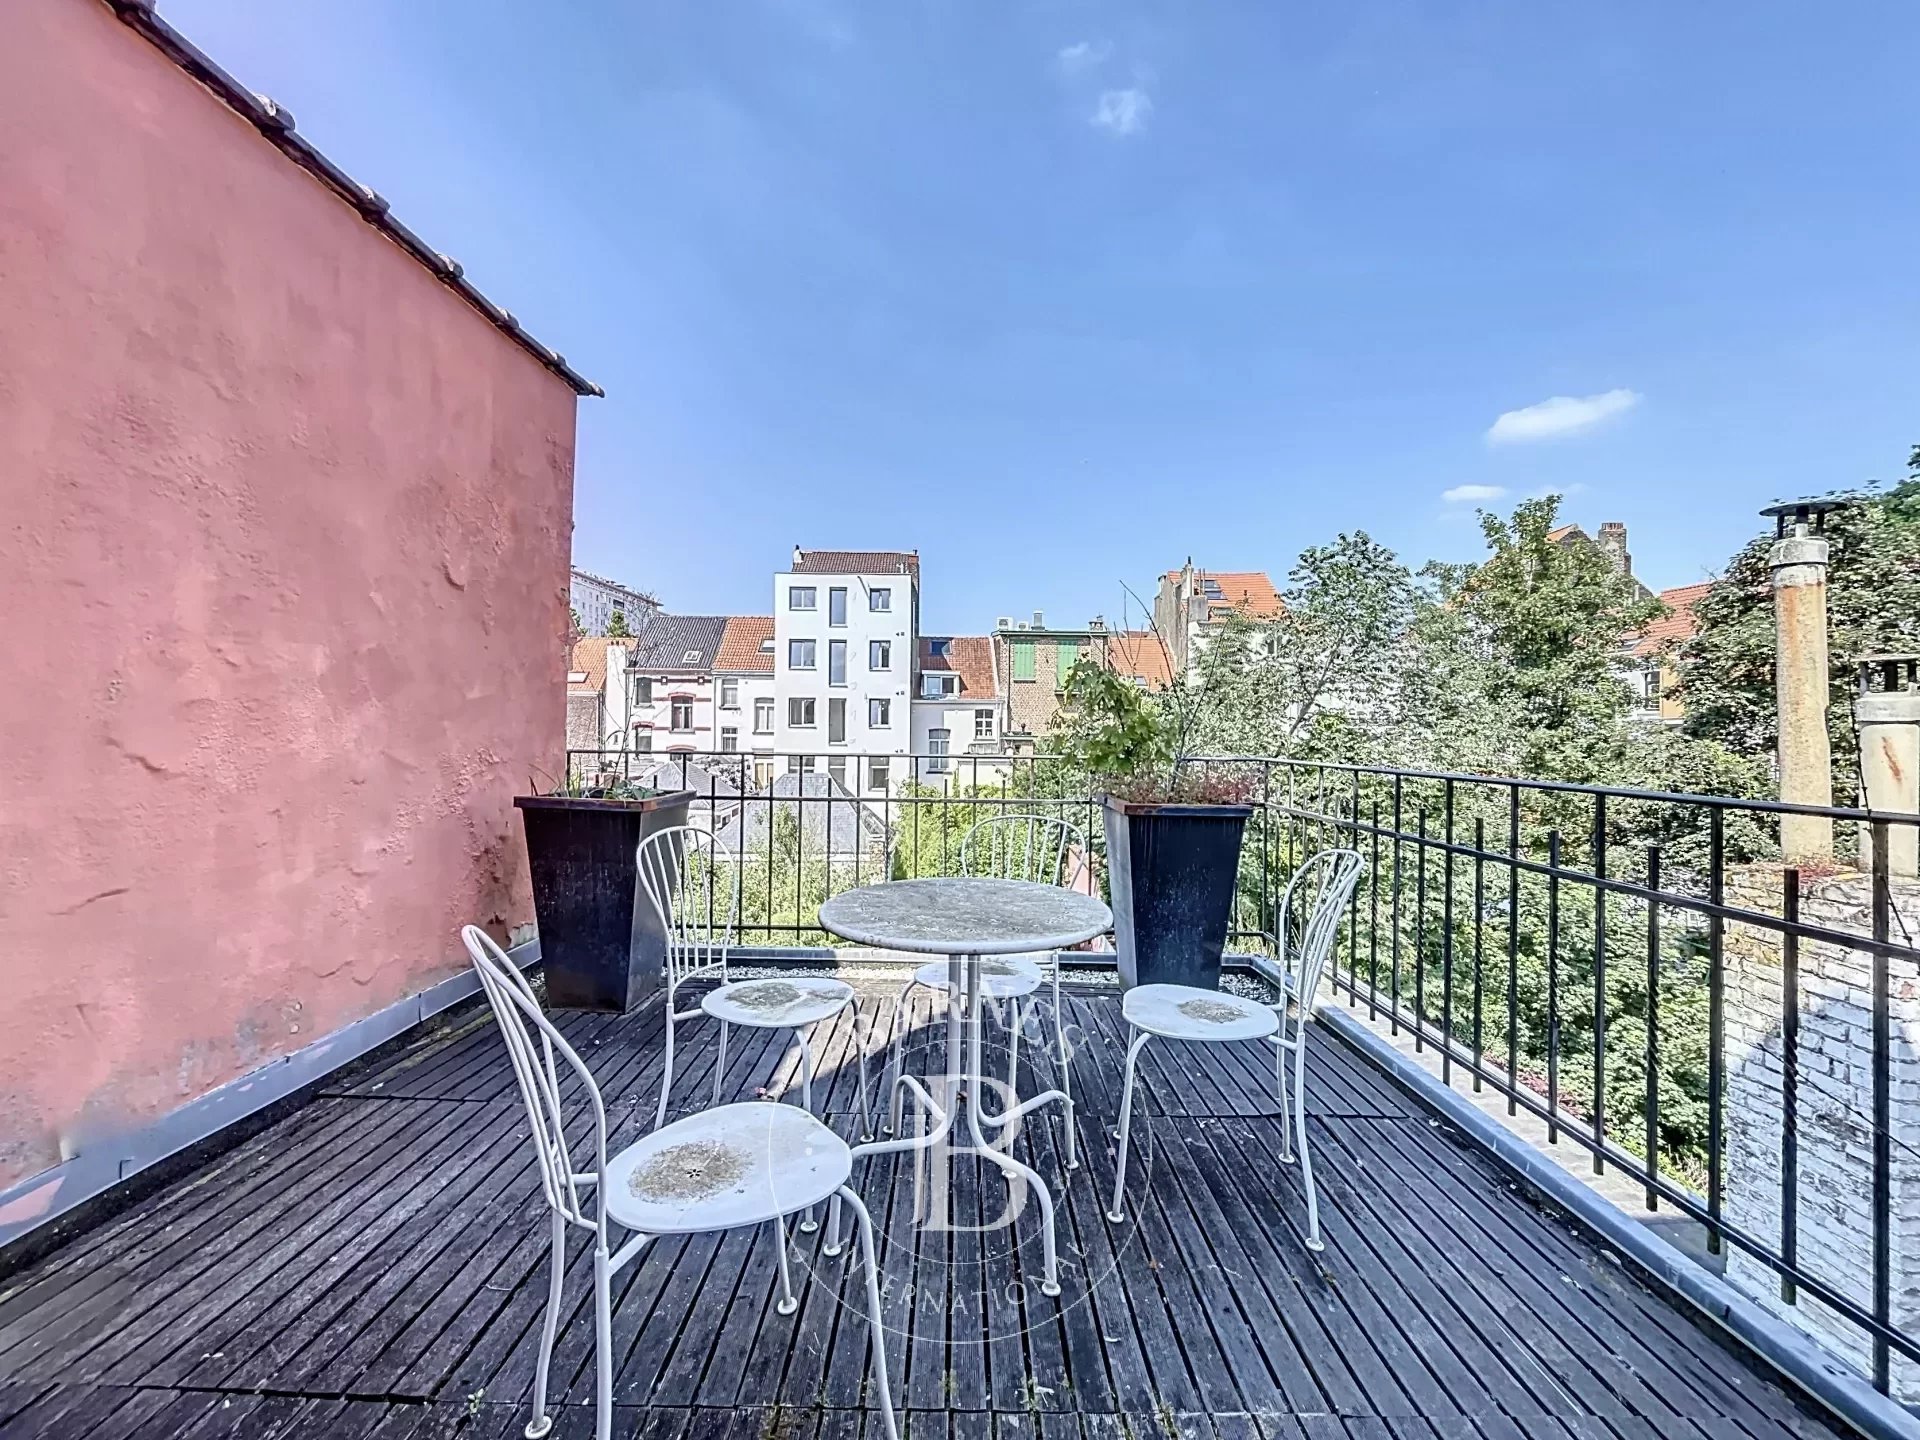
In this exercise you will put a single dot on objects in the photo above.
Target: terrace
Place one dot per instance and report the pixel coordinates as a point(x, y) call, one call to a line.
point(370, 1260)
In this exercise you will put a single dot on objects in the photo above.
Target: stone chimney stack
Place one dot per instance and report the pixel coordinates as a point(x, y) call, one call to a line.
point(1613, 544)
point(1800, 673)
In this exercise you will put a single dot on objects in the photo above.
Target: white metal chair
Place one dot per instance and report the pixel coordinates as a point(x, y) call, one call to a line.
point(1037, 848)
point(699, 912)
point(1210, 1017)
point(731, 1166)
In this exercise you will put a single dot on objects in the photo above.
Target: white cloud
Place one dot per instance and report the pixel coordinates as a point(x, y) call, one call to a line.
point(1462, 493)
point(1561, 415)
point(1124, 112)
point(1083, 55)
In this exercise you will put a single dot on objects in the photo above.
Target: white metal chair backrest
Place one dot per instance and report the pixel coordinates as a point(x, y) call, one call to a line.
point(1039, 848)
point(698, 904)
point(518, 1010)
point(1328, 878)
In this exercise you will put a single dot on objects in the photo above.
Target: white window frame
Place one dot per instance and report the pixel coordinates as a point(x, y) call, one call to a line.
point(837, 770)
point(939, 747)
point(983, 724)
point(837, 705)
point(764, 706)
point(811, 592)
point(730, 693)
point(675, 709)
point(812, 652)
point(880, 600)
point(802, 705)
point(836, 652)
point(879, 773)
point(837, 603)
point(883, 649)
point(729, 739)
point(879, 714)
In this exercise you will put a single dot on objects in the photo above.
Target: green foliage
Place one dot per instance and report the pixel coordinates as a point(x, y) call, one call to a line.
point(617, 625)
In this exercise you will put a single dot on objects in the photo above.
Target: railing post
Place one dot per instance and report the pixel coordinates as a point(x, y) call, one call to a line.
point(1716, 1020)
point(1446, 947)
point(1882, 1102)
point(1653, 1027)
point(1513, 947)
point(1553, 987)
point(1789, 1081)
point(1479, 952)
point(1599, 985)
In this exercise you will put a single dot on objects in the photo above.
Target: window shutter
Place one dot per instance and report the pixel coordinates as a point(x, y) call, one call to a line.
point(1023, 659)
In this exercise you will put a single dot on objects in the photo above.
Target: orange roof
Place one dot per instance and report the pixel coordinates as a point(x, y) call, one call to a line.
point(1141, 655)
point(1564, 532)
point(1243, 592)
point(589, 657)
point(740, 644)
point(1676, 625)
point(968, 656)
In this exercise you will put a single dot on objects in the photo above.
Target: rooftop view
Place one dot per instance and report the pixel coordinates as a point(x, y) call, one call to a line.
point(1044, 724)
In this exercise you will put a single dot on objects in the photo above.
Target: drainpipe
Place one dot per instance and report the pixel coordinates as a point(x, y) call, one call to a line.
point(1886, 710)
point(1800, 675)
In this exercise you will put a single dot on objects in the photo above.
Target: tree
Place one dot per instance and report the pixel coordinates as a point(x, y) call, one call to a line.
point(617, 625)
point(1726, 670)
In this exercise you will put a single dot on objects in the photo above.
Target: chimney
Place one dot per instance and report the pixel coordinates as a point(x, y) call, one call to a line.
point(1039, 621)
point(1613, 545)
point(1805, 757)
point(1887, 710)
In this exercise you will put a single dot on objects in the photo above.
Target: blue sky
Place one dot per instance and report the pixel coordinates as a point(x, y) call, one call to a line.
point(1062, 293)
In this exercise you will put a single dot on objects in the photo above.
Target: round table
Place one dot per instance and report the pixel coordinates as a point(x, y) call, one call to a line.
point(965, 919)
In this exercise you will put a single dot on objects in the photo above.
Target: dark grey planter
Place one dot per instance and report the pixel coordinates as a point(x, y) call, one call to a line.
point(601, 945)
point(1171, 871)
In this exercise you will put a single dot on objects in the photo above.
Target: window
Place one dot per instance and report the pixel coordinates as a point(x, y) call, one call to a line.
point(877, 774)
point(1023, 659)
point(802, 597)
point(836, 721)
point(643, 690)
point(836, 662)
point(766, 646)
point(935, 684)
point(763, 717)
point(729, 694)
point(801, 764)
point(681, 715)
point(879, 599)
point(800, 711)
point(729, 738)
point(762, 773)
point(837, 770)
point(837, 605)
point(937, 749)
point(879, 714)
point(800, 654)
point(643, 743)
point(983, 724)
point(879, 654)
point(937, 649)
point(689, 657)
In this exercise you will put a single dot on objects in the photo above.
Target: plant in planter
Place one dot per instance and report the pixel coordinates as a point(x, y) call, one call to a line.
point(601, 944)
point(1174, 826)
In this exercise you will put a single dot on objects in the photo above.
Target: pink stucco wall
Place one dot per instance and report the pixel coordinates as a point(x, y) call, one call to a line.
point(284, 528)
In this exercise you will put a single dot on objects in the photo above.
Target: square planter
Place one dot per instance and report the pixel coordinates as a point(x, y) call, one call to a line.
point(1172, 870)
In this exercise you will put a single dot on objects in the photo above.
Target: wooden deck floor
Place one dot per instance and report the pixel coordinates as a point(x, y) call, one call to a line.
point(373, 1265)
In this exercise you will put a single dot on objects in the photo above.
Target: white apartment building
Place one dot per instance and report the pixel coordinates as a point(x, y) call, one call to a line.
point(744, 696)
point(846, 633)
point(594, 598)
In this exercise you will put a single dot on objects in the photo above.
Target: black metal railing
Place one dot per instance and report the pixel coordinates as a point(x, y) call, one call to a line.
point(1574, 948)
point(1581, 950)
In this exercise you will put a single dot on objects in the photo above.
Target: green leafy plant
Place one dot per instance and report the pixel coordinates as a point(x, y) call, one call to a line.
point(1131, 743)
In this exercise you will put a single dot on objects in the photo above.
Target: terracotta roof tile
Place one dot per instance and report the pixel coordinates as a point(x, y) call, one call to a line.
point(968, 656)
point(589, 658)
point(1243, 592)
point(1675, 626)
point(857, 562)
point(740, 646)
point(1140, 654)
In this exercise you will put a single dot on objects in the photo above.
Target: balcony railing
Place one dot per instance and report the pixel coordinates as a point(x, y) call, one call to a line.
point(1635, 970)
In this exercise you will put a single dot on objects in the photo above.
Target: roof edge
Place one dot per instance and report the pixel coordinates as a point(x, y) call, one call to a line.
point(275, 124)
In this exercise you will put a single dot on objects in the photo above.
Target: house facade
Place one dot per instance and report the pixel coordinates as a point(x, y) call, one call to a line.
point(845, 632)
point(1192, 604)
point(594, 598)
point(1032, 660)
point(745, 698)
point(670, 688)
point(959, 713)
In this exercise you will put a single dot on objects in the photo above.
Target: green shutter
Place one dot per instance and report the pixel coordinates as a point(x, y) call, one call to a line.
point(1064, 656)
point(1023, 659)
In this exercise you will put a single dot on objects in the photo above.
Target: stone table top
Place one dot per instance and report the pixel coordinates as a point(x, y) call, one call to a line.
point(966, 916)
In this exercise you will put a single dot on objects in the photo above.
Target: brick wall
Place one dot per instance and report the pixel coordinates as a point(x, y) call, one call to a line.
point(1833, 1110)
